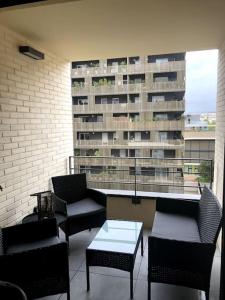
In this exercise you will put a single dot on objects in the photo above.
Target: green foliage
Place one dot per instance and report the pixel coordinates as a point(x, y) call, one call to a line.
point(205, 171)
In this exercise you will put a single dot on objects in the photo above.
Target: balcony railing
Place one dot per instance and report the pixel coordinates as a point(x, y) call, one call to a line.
point(162, 174)
point(131, 107)
point(143, 67)
point(128, 88)
point(113, 123)
point(169, 143)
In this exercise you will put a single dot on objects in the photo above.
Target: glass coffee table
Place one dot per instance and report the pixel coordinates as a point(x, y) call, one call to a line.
point(115, 246)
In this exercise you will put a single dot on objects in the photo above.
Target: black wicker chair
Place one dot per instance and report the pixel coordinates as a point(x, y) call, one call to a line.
point(33, 257)
point(183, 242)
point(10, 291)
point(84, 208)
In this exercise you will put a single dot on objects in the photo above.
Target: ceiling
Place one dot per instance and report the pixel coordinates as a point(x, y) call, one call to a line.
point(91, 29)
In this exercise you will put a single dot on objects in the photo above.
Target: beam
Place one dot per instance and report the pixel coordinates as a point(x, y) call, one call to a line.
point(15, 4)
point(7, 3)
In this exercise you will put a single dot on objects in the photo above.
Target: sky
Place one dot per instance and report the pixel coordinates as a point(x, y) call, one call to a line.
point(201, 81)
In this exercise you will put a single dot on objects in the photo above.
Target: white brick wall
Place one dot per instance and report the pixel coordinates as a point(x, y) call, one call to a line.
point(35, 127)
point(220, 125)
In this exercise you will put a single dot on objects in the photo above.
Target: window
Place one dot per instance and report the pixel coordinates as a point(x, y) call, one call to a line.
point(160, 117)
point(161, 60)
point(161, 173)
point(157, 153)
point(147, 171)
point(160, 98)
point(115, 100)
point(111, 170)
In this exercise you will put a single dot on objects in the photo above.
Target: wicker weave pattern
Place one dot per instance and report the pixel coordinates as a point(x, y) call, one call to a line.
point(38, 271)
point(69, 189)
point(180, 277)
point(187, 263)
point(111, 260)
point(1, 243)
point(9, 290)
point(210, 216)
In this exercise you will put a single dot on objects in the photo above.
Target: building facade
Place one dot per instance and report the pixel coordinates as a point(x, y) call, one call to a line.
point(199, 138)
point(127, 108)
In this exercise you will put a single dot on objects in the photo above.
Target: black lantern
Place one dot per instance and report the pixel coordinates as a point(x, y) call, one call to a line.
point(45, 207)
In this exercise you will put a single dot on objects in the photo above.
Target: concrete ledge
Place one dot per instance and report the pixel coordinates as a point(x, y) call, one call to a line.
point(150, 195)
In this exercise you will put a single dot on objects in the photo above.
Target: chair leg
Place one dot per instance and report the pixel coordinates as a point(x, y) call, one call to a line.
point(68, 242)
point(207, 295)
point(68, 295)
point(67, 238)
point(149, 290)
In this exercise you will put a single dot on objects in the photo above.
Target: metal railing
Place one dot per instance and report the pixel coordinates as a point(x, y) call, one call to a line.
point(143, 67)
point(141, 106)
point(128, 88)
point(174, 175)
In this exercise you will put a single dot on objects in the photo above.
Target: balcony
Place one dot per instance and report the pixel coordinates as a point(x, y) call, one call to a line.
point(117, 282)
point(144, 67)
point(113, 124)
point(140, 106)
point(167, 144)
point(179, 175)
point(117, 88)
point(36, 118)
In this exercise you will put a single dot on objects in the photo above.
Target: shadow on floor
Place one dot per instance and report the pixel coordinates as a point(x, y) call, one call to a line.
point(112, 284)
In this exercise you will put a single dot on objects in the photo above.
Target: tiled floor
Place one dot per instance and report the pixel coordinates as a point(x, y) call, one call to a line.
point(111, 284)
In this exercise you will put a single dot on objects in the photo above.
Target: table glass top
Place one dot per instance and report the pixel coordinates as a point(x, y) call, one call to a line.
point(117, 236)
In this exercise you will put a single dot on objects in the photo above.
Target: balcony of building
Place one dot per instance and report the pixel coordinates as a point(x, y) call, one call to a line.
point(133, 83)
point(134, 66)
point(97, 122)
point(142, 104)
point(36, 112)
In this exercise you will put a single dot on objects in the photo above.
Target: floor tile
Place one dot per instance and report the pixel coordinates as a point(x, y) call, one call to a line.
point(164, 292)
point(101, 287)
point(112, 284)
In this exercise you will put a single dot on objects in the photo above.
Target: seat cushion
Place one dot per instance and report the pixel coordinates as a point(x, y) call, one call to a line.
point(175, 227)
point(32, 245)
point(84, 207)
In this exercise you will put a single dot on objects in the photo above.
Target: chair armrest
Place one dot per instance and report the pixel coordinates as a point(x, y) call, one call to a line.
point(174, 254)
point(98, 196)
point(29, 232)
point(178, 206)
point(60, 205)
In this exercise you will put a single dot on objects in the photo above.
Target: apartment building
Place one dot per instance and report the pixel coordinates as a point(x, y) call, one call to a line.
point(126, 108)
point(199, 139)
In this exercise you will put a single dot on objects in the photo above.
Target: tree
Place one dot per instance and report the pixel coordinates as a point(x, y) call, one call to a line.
point(205, 172)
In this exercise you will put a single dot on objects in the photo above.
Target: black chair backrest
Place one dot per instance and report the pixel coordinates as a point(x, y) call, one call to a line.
point(10, 291)
point(1, 243)
point(70, 188)
point(210, 216)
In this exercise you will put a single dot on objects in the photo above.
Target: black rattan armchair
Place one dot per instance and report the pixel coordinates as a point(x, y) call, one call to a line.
point(183, 242)
point(10, 291)
point(33, 257)
point(84, 208)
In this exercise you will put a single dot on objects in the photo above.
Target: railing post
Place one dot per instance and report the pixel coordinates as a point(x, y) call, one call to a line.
point(222, 267)
point(211, 173)
point(135, 177)
point(70, 168)
point(134, 199)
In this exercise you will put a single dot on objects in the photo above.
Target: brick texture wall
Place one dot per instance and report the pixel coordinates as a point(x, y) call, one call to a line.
point(220, 125)
point(35, 126)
